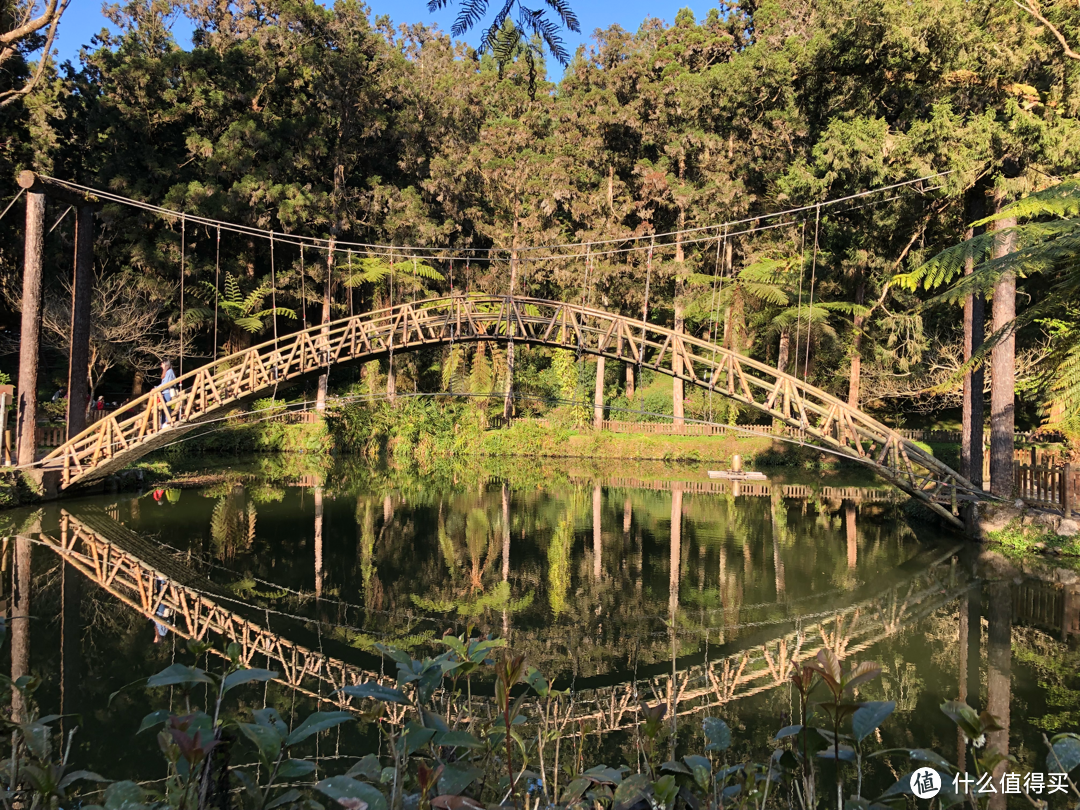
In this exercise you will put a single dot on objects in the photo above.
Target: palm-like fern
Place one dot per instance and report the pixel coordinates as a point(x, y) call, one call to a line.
point(409, 276)
point(1048, 248)
point(238, 314)
point(770, 287)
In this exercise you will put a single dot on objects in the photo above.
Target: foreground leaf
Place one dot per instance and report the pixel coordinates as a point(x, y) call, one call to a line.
point(316, 722)
point(345, 787)
point(179, 674)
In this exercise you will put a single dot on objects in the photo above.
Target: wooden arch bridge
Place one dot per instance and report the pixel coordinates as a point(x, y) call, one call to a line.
point(209, 392)
point(147, 579)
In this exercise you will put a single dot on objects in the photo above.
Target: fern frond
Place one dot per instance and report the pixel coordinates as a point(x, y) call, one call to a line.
point(1036, 259)
point(471, 13)
point(232, 288)
point(249, 323)
point(1033, 241)
point(1062, 200)
point(769, 293)
point(845, 307)
point(566, 14)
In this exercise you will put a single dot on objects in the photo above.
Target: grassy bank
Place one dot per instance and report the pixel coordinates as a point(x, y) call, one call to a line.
point(425, 430)
point(532, 440)
point(1034, 538)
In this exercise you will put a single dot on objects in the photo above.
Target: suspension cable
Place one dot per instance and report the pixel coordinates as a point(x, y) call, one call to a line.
point(493, 254)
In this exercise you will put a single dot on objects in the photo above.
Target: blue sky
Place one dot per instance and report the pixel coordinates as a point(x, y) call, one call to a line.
point(83, 19)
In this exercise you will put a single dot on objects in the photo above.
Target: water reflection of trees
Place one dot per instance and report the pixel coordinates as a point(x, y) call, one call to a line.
point(727, 568)
point(580, 576)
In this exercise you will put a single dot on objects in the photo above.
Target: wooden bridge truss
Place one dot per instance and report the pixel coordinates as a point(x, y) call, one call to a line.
point(146, 579)
point(210, 391)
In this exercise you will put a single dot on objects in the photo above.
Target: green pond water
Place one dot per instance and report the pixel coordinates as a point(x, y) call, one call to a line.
point(627, 584)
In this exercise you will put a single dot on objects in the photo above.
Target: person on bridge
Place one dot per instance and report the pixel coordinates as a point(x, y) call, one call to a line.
point(167, 376)
point(100, 404)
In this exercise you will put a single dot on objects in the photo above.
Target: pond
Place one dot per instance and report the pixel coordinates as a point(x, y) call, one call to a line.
point(642, 583)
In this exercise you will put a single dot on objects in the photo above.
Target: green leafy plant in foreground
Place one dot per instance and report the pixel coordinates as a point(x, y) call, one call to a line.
point(447, 753)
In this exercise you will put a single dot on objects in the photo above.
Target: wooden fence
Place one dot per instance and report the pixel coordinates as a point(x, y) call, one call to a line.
point(665, 428)
point(955, 436)
point(1044, 485)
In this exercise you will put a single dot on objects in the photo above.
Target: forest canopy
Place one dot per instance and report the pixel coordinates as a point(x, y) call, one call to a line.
point(293, 117)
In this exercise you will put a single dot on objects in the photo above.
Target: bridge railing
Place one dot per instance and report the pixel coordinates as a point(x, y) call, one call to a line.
point(818, 417)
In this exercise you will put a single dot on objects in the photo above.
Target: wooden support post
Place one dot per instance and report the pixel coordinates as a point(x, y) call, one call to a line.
point(1066, 489)
point(31, 327)
point(1016, 479)
point(598, 397)
point(79, 354)
point(7, 394)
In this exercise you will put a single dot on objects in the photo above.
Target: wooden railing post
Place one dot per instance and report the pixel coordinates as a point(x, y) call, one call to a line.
point(1066, 489)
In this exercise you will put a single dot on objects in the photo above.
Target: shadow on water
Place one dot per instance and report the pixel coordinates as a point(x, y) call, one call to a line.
point(642, 586)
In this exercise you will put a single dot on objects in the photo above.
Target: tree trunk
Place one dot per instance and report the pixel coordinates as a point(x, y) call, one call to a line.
point(776, 504)
point(597, 534)
point(508, 402)
point(676, 552)
point(506, 555)
point(854, 378)
point(324, 378)
point(79, 351)
point(20, 624)
point(319, 568)
point(677, 388)
point(598, 395)
point(851, 535)
point(70, 643)
point(971, 438)
point(136, 385)
point(1003, 368)
point(784, 351)
point(31, 329)
point(999, 671)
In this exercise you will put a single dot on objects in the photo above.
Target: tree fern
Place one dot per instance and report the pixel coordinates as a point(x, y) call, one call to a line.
point(1049, 248)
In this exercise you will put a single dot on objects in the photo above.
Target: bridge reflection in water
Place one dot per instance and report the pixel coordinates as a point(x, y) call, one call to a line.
point(732, 662)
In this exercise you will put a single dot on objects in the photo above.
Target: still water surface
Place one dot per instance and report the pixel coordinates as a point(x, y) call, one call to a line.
point(652, 584)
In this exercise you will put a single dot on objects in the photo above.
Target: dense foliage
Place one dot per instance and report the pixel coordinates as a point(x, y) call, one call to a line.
point(293, 117)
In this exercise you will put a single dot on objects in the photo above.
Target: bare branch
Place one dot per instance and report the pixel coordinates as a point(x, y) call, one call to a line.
point(930, 387)
point(1031, 8)
point(128, 327)
point(52, 13)
point(57, 8)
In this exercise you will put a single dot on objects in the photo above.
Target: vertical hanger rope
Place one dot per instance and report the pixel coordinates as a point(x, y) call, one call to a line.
point(813, 278)
point(273, 287)
point(217, 289)
point(183, 250)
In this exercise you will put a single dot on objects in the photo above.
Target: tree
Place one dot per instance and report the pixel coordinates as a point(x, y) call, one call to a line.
point(127, 327)
point(1037, 240)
